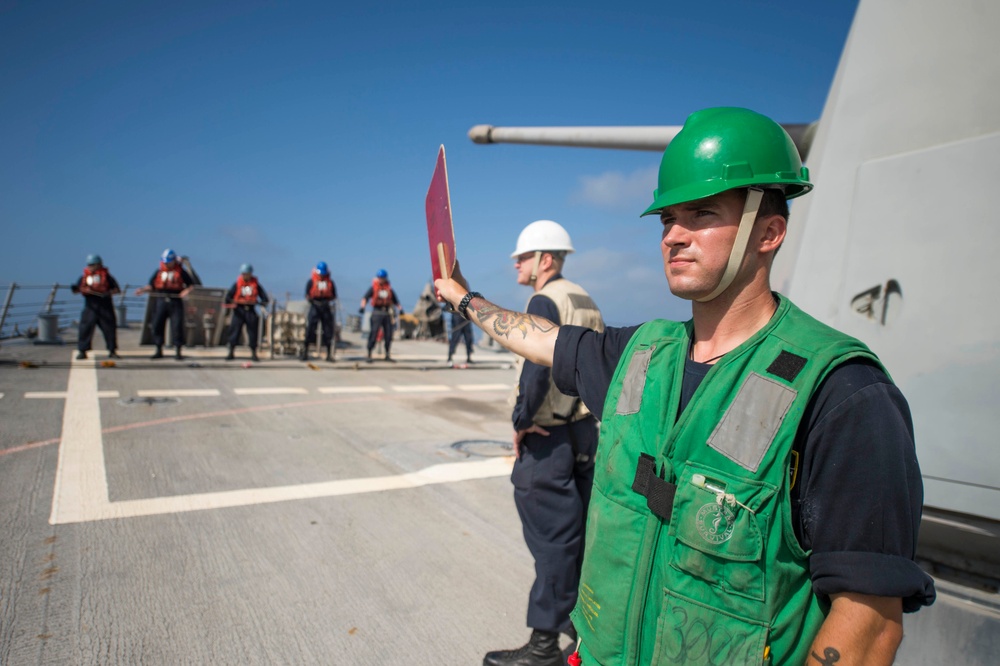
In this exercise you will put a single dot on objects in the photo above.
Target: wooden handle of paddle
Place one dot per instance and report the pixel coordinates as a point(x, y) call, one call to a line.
point(443, 261)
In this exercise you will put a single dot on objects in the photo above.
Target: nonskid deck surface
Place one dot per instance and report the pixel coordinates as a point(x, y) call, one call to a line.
point(200, 511)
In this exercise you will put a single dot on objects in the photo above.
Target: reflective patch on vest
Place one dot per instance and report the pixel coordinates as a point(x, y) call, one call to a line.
point(787, 366)
point(749, 425)
point(582, 302)
point(635, 382)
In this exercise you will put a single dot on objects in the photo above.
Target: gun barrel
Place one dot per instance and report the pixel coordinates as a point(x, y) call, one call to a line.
point(653, 138)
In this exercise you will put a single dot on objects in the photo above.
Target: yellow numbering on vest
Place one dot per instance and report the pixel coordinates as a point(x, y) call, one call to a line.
point(588, 604)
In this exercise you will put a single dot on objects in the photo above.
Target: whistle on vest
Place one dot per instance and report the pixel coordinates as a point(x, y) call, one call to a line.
point(718, 489)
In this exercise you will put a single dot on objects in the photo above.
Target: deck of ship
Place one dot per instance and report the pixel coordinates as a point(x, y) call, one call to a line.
point(201, 511)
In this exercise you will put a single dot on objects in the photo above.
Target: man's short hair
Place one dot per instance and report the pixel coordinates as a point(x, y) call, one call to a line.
point(773, 203)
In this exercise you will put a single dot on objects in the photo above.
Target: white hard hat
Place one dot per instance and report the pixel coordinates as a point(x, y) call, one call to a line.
point(543, 236)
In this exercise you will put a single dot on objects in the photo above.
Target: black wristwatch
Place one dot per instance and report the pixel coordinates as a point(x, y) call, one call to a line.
point(463, 306)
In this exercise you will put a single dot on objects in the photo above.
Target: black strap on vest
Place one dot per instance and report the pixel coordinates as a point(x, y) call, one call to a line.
point(658, 493)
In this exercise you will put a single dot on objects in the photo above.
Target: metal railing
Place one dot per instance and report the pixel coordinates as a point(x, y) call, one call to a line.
point(39, 312)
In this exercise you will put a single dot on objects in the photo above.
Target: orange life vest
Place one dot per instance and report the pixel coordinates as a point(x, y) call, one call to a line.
point(170, 278)
point(96, 280)
point(381, 294)
point(246, 291)
point(322, 286)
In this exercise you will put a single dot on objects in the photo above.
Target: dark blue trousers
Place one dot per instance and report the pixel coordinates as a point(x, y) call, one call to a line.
point(460, 330)
point(98, 312)
point(243, 315)
point(381, 320)
point(552, 483)
point(171, 308)
point(320, 313)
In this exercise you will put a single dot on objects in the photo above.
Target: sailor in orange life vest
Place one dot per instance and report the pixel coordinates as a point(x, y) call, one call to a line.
point(171, 284)
point(320, 292)
point(244, 295)
point(383, 300)
point(97, 287)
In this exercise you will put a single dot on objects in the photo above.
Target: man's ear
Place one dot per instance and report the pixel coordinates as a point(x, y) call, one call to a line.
point(773, 234)
point(545, 262)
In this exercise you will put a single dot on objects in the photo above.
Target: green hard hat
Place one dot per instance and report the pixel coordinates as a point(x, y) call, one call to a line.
point(724, 148)
point(93, 259)
point(246, 268)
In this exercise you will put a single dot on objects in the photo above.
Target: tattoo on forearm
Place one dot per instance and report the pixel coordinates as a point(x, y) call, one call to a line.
point(830, 657)
point(506, 322)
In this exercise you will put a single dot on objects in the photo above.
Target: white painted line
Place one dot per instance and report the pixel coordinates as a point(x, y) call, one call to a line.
point(271, 390)
point(351, 389)
point(81, 486)
point(484, 387)
point(445, 473)
point(176, 393)
point(422, 388)
point(1, 396)
point(43, 395)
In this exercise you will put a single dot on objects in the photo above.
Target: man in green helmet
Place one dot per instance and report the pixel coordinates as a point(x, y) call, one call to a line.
point(757, 494)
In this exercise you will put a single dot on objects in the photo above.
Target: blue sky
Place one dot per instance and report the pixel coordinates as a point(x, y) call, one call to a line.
point(287, 133)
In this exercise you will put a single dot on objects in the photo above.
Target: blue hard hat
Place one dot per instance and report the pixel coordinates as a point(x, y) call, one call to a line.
point(94, 260)
point(168, 256)
point(321, 268)
point(246, 268)
point(381, 274)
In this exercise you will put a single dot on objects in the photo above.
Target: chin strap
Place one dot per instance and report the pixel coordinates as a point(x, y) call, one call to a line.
point(534, 268)
point(750, 209)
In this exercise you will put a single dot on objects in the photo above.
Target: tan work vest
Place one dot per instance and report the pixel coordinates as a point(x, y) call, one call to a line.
point(577, 308)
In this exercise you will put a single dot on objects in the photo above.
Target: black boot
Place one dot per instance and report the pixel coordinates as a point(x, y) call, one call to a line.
point(541, 650)
point(178, 356)
point(81, 355)
point(158, 353)
point(230, 356)
point(304, 356)
point(329, 354)
point(253, 356)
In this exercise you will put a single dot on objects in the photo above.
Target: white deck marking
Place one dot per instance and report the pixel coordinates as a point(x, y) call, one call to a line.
point(271, 390)
point(81, 486)
point(177, 393)
point(351, 389)
point(42, 395)
point(422, 388)
point(1, 396)
point(445, 473)
point(484, 387)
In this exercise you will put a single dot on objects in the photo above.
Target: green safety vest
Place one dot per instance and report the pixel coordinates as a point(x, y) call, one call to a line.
point(721, 576)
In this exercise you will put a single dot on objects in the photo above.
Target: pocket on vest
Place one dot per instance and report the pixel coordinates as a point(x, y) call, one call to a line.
point(694, 634)
point(613, 546)
point(717, 534)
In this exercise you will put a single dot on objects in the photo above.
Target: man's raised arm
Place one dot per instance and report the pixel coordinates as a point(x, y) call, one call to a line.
point(526, 335)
